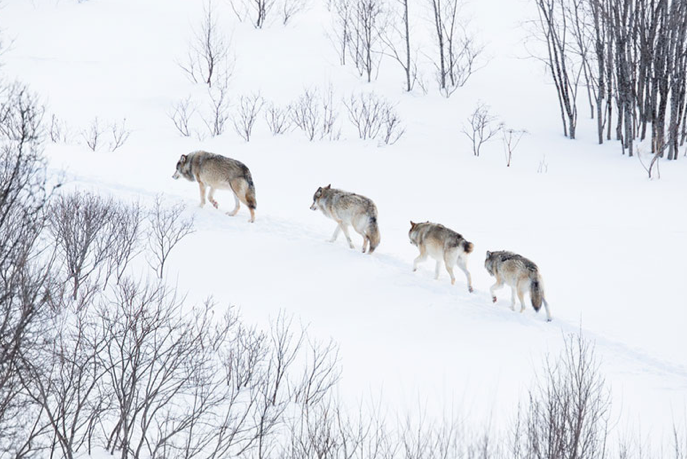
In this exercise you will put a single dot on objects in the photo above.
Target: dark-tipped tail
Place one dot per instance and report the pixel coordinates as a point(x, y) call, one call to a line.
point(468, 246)
point(373, 234)
point(536, 293)
point(251, 202)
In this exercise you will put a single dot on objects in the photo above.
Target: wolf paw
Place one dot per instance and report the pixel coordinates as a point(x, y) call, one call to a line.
point(470, 289)
point(214, 204)
point(493, 299)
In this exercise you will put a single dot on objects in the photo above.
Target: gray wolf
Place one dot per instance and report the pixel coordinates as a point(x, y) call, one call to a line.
point(442, 244)
point(521, 275)
point(349, 209)
point(218, 172)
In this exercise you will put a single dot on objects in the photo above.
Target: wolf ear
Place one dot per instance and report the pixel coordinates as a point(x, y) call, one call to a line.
point(412, 224)
point(328, 186)
point(182, 160)
point(488, 254)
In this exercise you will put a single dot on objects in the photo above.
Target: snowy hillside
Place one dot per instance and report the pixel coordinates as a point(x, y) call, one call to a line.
point(610, 243)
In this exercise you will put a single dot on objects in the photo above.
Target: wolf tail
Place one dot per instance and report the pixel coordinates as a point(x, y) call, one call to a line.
point(251, 202)
point(536, 291)
point(468, 246)
point(372, 234)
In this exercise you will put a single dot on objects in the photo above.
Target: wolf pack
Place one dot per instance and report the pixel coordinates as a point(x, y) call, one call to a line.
point(445, 246)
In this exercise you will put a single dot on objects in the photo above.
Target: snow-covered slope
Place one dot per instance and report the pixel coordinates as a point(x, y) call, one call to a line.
point(611, 245)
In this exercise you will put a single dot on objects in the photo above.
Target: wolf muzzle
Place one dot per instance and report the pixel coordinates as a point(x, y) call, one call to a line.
point(176, 175)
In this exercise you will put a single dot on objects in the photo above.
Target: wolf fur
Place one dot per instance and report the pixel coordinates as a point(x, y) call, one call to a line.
point(442, 244)
point(218, 172)
point(349, 209)
point(521, 275)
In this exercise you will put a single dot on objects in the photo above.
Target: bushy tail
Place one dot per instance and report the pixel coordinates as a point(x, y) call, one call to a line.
point(468, 246)
point(251, 202)
point(536, 292)
point(373, 234)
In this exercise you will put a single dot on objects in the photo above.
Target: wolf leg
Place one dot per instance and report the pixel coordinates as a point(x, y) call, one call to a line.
point(365, 243)
point(493, 288)
point(521, 297)
point(437, 269)
point(344, 228)
point(462, 264)
point(548, 311)
point(336, 233)
point(237, 205)
point(201, 186)
point(211, 197)
point(419, 259)
point(512, 299)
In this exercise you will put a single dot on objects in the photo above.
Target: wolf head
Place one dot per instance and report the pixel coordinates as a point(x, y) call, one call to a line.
point(489, 263)
point(411, 233)
point(318, 195)
point(183, 169)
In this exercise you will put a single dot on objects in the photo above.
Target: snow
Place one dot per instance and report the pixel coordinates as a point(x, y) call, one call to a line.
point(610, 243)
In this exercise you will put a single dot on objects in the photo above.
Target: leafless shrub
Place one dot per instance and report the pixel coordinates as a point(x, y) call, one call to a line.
point(374, 116)
point(568, 411)
point(208, 59)
point(127, 224)
point(25, 264)
point(92, 135)
point(257, 11)
point(246, 115)
point(305, 113)
point(167, 229)
point(511, 138)
point(329, 117)
point(216, 121)
point(290, 8)
point(62, 377)
point(181, 114)
point(149, 358)
point(320, 375)
point(480, 127)
point(277, 119)
point(120, 134)
point(58, 130)
point(81, 224)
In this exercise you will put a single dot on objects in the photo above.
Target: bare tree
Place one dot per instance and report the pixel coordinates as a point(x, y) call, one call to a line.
point(305, 113)
point(481, 127)
point(209, 59)
point(277, 119)
point(62, 377)
point(290, 8)
point(342, 27)
point(396, 37)
point(120, 134)
point(246, 115)
point(81, 224)
point(26, 279)
point(218, 117)
point(374, 116)
point(367, 28)
point(58, 130)
point(568, 411)
point(181, 114)
point(167, 229)
point(458, 51)
point(92, 136)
